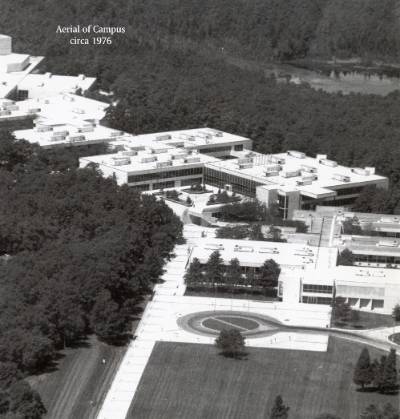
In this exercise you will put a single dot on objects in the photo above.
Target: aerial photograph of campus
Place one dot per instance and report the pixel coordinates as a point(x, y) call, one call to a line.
point(200, 209)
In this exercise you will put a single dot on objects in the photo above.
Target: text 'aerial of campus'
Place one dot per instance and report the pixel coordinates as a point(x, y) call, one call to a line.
point(200, 209)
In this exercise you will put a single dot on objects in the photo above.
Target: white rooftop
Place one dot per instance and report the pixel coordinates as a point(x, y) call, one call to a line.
point(44, 85)
point(13, 67)
point(255, 253)
point(295, 171)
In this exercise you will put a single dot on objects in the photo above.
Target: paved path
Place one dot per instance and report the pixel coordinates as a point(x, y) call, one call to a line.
point(304, 326)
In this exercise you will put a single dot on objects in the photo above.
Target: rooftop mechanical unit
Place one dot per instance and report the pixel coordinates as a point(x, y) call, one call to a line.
point(342, 178)
point(327, 162)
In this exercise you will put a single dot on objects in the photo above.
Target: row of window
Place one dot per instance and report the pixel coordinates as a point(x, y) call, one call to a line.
point(323, 289)
point(192, 181)
point(145, 187)
point(349, 191)
point(165, 174)
point(164, 185)
point(215, 149)
point(239, 185)
point(317, 300)
point(377, 259)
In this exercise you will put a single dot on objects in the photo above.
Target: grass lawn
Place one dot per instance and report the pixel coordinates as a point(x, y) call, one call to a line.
point(194, 381)
point(240, 295)
point(80, 381)
point(368, 320)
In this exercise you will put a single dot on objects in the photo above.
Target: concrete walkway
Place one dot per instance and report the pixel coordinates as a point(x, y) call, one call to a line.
point(304, 326)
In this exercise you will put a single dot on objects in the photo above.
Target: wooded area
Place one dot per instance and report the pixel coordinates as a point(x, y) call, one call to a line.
point(78, 252)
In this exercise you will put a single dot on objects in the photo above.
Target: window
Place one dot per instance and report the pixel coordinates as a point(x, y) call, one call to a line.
point(192, 181)
point(165, 174)
point(317, 300)
point(322, 289)
point(145, 187)
point(214, 149)
point(22, 94)
point(163, 185)
point(239, 184)
point(238, 147)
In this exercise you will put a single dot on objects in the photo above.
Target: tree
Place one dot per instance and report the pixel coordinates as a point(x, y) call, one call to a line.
point(215, 268)
point(194, 275)
point(256, 232)
point(389, 376)
point(346, 258)
point(376, 412)
point(378, 368)
point(279, 410)
point(25, 402)
point(269, 274)
point(396, 312)
point(231, 343)
point(234, 272)
point(327, 416)
point(362, 375)
point(189, 200)
point(341, 311)
point(107, 320)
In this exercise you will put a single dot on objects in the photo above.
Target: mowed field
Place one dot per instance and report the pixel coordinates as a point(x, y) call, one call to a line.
point(77, 387)
point(194, 381)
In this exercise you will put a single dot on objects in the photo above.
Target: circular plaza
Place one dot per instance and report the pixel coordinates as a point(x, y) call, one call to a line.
point(210, 323)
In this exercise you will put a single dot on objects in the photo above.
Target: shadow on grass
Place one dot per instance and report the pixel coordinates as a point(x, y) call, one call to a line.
point(238, 356)
point(373, 389)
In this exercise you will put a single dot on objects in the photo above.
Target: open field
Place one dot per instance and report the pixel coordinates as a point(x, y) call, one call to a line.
point(77, 387)
point(368, 320)
point(193, 381)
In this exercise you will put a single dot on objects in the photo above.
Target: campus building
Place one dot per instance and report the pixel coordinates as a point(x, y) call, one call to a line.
point(309, 274)
point(292, 180)
point(165, 160)
point(13, 67)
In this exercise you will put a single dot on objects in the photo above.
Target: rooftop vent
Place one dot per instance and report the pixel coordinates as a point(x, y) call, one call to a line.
point(360, 171)
point(296, 154)
point(164, 137)
point(161, 164)
point(214, 246)
point(342, 178)
point(326, 162)
point(290, 173)
point(192, 160)
point(149, 159)
point(77, 138)
point(120, 160)
point(309, 169)
point(388, 243)
point(278, 160)
point(272, 250)
point(247, 249)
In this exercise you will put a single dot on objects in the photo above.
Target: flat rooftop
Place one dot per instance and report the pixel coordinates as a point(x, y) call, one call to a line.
point(10, 80)
point(188, 139)
point(81, 132)
point(255, 253)
point(165, 149)
point(153, 156)
point(370, 245)
point(375, 222)
point(294, 170)
point(46, 85)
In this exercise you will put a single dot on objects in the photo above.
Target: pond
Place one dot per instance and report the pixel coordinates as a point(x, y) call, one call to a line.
point(347, 82)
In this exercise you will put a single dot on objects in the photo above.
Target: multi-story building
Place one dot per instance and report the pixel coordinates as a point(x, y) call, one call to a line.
point(166, 160)
point(309, 274)
point(292, 180)
point(13, 67)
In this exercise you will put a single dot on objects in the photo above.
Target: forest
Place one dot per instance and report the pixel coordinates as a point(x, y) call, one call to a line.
point(175, 70)
point(78, 254)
